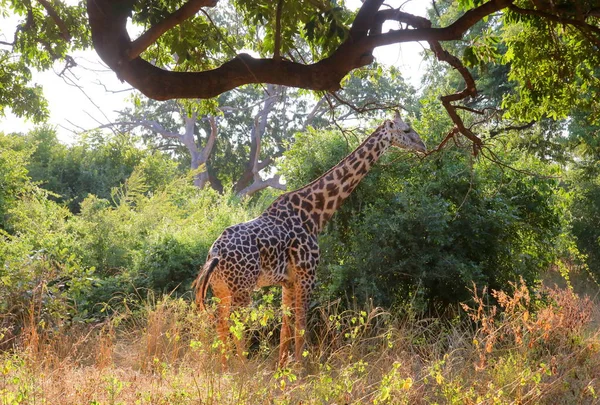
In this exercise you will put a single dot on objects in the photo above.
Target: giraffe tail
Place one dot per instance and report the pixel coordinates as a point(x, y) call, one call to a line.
point(200, 285)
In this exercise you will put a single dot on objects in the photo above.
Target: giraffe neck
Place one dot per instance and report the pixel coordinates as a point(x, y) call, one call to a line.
point(316, 202)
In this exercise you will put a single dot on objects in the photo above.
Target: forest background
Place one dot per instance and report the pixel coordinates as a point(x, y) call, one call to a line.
point(101, 238)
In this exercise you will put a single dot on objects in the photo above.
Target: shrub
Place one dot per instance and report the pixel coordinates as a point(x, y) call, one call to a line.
point(424, 230)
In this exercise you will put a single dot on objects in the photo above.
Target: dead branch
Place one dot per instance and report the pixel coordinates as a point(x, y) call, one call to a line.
point(262, 184)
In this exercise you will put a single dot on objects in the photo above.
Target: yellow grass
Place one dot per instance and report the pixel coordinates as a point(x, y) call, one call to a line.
point(527, 350)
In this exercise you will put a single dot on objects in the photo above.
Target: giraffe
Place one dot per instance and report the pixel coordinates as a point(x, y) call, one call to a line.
point(280, 246)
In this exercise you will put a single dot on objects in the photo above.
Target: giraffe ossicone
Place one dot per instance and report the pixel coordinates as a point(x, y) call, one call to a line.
point(280, 246)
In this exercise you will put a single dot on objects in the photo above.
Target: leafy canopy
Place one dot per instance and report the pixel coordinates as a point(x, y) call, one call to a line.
point(198, 49)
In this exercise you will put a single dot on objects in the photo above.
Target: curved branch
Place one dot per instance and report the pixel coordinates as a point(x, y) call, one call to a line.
point(453, 32)
point(470, 89)
point(108, 20)
point(175, 18)
point(64, 31)
point(262, 184)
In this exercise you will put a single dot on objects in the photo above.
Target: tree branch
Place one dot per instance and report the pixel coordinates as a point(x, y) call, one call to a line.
point(108, 19)
point(150, 124)
point(258, 129)
point(453, 32)
point(555, 18)
point(441, 54)
point(64, 31)
point(584, 27)
point(212, 137)
point(277, 45)
point(451, 135)
point(308, 122)
point(495, 132)
point(261, 185)
point(186, 11)
point(364, 19)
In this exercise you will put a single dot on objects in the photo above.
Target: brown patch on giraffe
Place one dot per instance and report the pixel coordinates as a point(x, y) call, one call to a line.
point(319, 201)
point(347, 177)
point(304, 216)
point(315, 217)
point(332, 189)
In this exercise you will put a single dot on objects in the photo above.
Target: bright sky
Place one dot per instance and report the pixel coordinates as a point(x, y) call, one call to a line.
point(90, 94)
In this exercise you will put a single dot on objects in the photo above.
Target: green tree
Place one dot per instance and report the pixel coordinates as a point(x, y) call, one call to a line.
point(426, 230)
point(245, 131)
point(184, 52)
point(14, 179)
point(95, 165)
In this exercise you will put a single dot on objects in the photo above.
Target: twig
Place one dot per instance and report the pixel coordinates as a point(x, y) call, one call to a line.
point(494, 158)
point(67, 80)
point(277, 46)
point(106, 89)
point(511, 128)
point(175, 18)
point(232, 49)
point(64, 31)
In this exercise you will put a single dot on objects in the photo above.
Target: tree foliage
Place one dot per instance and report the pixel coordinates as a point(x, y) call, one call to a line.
point(189, 49)
point(228, 141)
point(432, 228)
point(106, 220)
point(420, 230)
point(96, 164)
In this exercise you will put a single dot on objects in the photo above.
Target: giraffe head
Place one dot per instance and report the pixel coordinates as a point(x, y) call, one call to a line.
point(403, 136)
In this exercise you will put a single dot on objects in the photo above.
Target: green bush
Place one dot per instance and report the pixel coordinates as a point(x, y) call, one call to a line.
point(426, 230)
point(170, 263)
point(585, 212)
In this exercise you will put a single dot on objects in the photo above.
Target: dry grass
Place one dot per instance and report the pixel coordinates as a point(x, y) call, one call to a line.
point(542, 349)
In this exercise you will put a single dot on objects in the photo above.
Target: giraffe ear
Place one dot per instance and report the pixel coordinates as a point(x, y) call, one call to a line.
point(390, 124)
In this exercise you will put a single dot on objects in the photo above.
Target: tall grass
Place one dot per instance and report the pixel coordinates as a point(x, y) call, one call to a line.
point(521, 349)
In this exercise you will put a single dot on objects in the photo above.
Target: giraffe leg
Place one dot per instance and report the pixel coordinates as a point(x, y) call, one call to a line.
point(241, 299)
point(223, 312)
point(302, 299)
point(288, 299)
